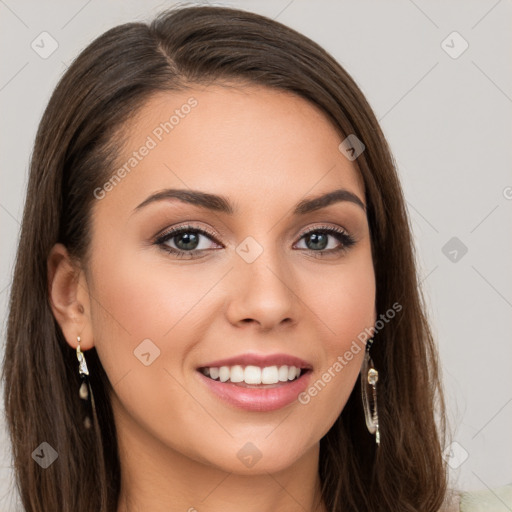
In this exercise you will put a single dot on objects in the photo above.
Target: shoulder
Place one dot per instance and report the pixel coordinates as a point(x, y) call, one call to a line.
point(484, 500)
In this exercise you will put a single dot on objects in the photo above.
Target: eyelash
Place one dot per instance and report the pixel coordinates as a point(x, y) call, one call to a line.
point(347, 241)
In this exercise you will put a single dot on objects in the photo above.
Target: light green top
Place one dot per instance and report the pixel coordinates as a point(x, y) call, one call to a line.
point(498, 499)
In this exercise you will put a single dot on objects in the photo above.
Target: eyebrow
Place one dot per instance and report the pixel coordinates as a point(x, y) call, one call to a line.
point(222, 204)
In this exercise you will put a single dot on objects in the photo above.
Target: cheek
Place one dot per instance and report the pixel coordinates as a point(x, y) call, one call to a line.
point(344, 305)
point(146, 305)
point(140, 315)
point(133, 302)
point(343, 298)
point(139, 299)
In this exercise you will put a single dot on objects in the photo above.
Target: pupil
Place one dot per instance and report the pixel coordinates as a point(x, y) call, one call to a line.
point(314, 237)
point(190, 238)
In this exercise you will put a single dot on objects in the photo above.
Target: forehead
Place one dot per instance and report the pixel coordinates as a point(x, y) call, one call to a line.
point(244, 142)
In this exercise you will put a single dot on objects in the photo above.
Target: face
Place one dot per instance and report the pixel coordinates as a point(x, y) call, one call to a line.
point(254, 285)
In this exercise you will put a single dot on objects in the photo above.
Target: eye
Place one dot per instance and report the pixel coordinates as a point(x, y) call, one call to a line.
point(317, 240)
point(185, 241)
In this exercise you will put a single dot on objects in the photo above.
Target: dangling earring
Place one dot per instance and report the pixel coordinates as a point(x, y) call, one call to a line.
point(369, 378)
point(85, 391)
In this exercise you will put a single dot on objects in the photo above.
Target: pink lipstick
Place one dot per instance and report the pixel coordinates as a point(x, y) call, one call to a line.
point(257, 382)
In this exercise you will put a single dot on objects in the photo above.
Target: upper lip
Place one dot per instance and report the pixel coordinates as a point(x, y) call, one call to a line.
point(261, 360)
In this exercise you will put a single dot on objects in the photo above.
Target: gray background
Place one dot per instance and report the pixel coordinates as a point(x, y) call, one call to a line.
point(449, 126)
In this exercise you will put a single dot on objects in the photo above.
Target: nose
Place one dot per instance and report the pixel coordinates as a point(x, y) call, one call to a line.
point(262, 292)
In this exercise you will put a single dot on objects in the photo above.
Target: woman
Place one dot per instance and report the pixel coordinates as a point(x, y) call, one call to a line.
point(215, 302)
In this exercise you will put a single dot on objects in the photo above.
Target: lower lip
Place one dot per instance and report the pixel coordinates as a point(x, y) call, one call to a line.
point(258, 399)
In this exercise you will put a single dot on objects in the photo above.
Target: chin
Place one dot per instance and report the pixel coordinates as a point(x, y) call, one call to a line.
point(256, 455)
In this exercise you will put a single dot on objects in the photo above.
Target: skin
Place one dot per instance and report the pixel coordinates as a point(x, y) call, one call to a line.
point(265, 150)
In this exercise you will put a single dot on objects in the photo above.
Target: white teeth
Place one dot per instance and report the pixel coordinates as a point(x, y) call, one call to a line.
point(237, 374)
point(253, 374)
point(224, 373)
point(283, 373)
point(269, 375)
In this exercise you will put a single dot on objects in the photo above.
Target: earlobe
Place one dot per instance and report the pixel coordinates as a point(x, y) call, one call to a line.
point(68, 296)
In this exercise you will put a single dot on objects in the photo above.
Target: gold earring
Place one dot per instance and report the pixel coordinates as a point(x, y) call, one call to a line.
point(369, 378)
point(85, 390)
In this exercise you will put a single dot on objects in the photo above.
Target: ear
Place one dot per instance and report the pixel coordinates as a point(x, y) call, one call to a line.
point(69, 297)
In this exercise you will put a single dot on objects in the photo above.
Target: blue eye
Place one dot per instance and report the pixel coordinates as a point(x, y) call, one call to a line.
point(187, 241)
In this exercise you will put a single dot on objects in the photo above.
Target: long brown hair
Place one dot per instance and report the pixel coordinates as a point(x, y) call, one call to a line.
point(77, 143)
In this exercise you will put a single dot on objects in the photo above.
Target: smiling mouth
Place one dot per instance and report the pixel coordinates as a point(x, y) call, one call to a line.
point(254, 376)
